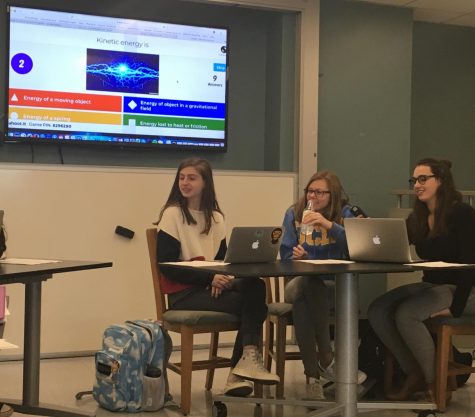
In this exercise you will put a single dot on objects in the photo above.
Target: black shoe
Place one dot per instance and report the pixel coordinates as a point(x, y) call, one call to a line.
point(464, 358)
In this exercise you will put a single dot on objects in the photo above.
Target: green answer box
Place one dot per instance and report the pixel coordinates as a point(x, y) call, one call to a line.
point(173, 122)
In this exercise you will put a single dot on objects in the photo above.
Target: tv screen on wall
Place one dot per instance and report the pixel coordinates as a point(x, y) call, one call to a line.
point(89, 79)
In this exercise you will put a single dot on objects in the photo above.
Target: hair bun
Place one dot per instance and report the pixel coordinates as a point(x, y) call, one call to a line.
point(446, 162)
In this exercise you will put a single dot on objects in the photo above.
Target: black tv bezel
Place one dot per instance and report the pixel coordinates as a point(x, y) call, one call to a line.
point(5, 139)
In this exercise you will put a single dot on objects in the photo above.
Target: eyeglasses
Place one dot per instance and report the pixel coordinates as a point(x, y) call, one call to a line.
point(317, 193)
point(421, 179)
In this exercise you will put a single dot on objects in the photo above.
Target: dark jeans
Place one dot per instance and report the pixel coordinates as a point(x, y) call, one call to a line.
point(246, 299)
point(311, 299)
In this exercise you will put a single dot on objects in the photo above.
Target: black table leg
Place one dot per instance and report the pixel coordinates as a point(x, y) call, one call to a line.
point(31, 361)
point(31, 350)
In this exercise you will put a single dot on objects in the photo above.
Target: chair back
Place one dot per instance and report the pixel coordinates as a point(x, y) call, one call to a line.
point(275, 289)
point(160, 302)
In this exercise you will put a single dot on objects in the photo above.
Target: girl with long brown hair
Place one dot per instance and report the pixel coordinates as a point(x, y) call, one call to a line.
point(191, 226)
point(442, 228)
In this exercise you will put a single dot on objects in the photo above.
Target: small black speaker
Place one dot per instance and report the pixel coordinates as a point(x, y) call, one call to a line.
point(123, 231)
point(358, 212)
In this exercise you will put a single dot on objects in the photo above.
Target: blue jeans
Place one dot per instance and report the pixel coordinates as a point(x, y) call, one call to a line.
point(398, 319)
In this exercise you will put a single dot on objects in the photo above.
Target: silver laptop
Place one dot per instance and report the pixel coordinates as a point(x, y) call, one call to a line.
point(254, 244)
point(378, 240)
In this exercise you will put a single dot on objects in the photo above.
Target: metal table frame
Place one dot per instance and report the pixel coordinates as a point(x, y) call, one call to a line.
point(346, 323)
point(32, 276)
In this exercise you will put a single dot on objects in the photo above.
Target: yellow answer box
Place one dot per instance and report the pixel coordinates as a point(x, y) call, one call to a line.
point(65, 116)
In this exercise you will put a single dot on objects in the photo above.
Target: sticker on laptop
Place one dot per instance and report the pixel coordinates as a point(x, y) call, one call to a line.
point(275, 235)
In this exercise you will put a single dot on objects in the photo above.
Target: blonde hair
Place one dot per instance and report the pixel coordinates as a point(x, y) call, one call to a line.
point(338, 197)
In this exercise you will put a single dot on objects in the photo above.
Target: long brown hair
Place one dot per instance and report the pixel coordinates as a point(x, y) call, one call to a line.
point(208, 203)
point(446, 196)
point(338, 197)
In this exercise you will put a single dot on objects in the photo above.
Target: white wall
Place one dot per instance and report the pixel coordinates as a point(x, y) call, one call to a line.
point(57, 212)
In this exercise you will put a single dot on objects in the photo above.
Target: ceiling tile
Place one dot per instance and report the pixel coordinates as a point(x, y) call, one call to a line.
point(461, 6)
point(390, 2)
point(456, 12)
point(434, 16)
point(465, 20)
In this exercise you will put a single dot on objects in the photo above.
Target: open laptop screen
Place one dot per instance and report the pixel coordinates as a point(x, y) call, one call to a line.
point(254, 244)
point(377, 240)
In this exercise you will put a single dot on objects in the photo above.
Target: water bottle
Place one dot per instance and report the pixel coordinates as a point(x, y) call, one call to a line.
point(306, 229)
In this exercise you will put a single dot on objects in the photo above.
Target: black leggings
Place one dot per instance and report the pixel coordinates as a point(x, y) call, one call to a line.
point(246, 299)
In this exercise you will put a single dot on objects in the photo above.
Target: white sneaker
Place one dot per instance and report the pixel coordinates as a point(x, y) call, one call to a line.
point(5, 410)
point(329, 373)
point(237, 387)
point(361, 377)
point(314, 390)
point(250, 367)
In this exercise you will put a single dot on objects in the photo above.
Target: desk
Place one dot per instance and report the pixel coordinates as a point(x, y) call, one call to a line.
point(346, 324)
point(33, 276)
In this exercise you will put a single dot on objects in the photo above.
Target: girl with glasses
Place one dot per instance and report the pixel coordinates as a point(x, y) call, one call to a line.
point(323, 238)
point(442, 228)
point(191, 226)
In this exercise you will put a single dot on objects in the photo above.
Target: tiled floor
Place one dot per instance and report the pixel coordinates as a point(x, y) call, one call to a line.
point(62, 378)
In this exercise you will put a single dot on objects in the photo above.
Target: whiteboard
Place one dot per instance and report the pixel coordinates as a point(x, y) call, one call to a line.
point(64, 212)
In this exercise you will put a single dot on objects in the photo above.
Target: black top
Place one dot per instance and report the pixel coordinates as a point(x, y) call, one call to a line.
point(458, 245)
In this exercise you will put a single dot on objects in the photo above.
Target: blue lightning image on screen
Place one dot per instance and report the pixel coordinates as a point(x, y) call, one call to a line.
point(126, 72)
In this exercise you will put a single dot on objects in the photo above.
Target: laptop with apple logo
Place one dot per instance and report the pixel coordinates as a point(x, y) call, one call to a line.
point(254, 244)
point(378, 240)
